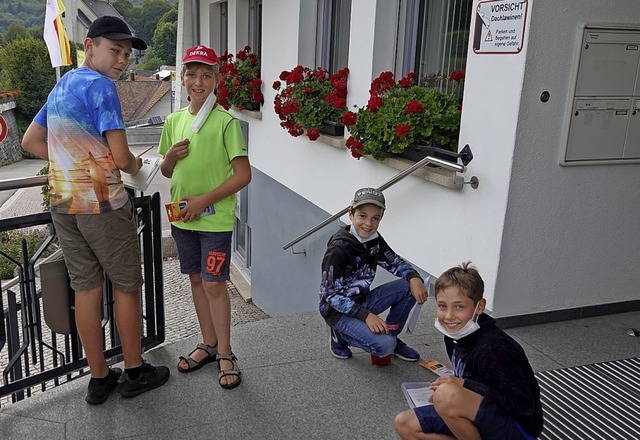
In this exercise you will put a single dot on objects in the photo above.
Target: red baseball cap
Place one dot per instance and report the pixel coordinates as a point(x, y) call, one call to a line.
point(200, 54)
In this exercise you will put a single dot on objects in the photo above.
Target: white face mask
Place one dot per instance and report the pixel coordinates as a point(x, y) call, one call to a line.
point(203, 113)
point(470, 327)
point(363, 240)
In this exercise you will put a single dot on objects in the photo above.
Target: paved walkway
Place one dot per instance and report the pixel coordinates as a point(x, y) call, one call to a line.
point(292, 387)
point(181, 320)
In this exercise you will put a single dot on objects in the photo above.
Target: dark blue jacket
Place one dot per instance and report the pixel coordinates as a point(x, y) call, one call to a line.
point(348, 269)
point(495, 366)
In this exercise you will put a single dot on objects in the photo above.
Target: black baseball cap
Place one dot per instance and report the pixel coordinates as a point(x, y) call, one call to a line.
point(114, 28)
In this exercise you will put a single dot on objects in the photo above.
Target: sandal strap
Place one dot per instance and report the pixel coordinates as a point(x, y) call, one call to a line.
point(211, 350)
point(224, 373)
point(228, 357)
point(190, 362)
point(234, 370)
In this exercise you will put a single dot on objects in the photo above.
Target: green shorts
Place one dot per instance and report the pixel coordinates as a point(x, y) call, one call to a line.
point(97, 243)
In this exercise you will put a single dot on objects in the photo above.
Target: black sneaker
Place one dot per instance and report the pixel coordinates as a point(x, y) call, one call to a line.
point(150, 378)
point(96, 393)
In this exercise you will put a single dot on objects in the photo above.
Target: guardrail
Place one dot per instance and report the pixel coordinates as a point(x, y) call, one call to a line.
point(34, 356)
point(465, 155)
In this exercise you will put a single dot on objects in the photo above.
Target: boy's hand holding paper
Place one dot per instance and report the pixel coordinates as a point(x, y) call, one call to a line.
point(176, 211)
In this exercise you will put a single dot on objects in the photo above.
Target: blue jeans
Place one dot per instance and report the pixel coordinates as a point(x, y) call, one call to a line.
point(394, 295)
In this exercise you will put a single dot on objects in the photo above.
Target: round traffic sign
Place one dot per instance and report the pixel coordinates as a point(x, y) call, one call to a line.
point(3, 128)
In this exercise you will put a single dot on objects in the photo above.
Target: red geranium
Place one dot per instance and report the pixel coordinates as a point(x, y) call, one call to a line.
point(401, 114)
point(313, 134)
point(349, 118)
point(457, 75)
point(240, 81)
point(414, 107)
point(308, 97)
point(402, 130)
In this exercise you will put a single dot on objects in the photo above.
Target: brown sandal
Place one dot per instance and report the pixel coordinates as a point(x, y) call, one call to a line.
point(195, 365)
point(234, 371)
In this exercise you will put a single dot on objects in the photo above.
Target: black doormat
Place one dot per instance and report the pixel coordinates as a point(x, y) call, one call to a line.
point(597, 401)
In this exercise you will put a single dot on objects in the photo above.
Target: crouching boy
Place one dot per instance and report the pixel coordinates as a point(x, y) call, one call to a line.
point(347, 303)
point(493, 394)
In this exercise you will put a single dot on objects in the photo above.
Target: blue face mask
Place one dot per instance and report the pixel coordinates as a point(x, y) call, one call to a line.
point(363, 240)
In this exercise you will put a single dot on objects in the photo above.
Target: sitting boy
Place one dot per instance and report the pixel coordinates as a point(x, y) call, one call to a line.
point(347, 304)
point(493, 393)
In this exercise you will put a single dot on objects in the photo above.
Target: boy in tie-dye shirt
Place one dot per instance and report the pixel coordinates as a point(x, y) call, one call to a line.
point(80, 130)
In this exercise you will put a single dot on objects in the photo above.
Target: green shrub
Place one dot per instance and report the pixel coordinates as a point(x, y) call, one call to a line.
point(11, 245)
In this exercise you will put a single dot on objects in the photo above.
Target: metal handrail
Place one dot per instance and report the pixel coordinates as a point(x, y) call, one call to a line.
point(429, 159)
point(23, 182)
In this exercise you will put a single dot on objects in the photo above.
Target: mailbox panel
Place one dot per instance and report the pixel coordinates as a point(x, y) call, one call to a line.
point(608, 64)
point(598, 129)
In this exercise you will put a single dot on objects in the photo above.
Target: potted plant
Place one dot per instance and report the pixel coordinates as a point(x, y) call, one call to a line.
point(240, 84)
point(402, 115)
point(310, 101)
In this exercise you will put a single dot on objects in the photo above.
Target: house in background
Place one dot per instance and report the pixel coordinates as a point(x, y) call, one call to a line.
point(81, 13)
point(143, 98)
point(551, 225)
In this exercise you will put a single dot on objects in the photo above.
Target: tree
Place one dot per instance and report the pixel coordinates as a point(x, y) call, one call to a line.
point(26, 67)
point(16, 31)
point(152, 63)
point(124, 7)
point(144, 19)
point(164, 43)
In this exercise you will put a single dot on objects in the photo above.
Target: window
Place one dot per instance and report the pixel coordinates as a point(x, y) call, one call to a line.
point(255, 26)
point(242, 243)
point(332, 39)
point(433, 37)
point(219, 26)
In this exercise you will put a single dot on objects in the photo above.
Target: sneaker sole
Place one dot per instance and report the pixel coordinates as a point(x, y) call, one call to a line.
point(336, 355)
point(134, 393)
point(406, 358)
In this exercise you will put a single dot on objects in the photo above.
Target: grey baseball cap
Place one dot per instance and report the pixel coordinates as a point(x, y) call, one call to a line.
point(365, 196)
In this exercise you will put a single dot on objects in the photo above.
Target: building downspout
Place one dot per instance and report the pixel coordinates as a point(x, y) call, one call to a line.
point(195, 23)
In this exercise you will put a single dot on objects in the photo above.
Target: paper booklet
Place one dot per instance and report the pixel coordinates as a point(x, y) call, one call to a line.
point(141, 181)
point(173, 210)
point(436, 367)
point(417, 393)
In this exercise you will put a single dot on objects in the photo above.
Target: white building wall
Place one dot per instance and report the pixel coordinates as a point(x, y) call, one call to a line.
point(529, 223)
point(432, 226)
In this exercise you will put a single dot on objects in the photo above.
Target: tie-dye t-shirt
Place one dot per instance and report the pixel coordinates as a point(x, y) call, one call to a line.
point(83, 176)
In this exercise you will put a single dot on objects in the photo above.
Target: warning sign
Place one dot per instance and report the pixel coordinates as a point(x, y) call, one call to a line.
point(499, 26)
point(3, 128)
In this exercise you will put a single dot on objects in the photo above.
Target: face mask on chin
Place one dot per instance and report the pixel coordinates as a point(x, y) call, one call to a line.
point(363, 240)
point(470, 327)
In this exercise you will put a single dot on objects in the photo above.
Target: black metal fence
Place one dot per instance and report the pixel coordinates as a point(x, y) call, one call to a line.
point(33, 356)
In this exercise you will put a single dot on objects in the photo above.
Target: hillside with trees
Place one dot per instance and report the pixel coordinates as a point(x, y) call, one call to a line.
point(27, 13)
point(24, 59)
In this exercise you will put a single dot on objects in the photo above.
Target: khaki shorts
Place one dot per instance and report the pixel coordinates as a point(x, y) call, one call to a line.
point(98, 243)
